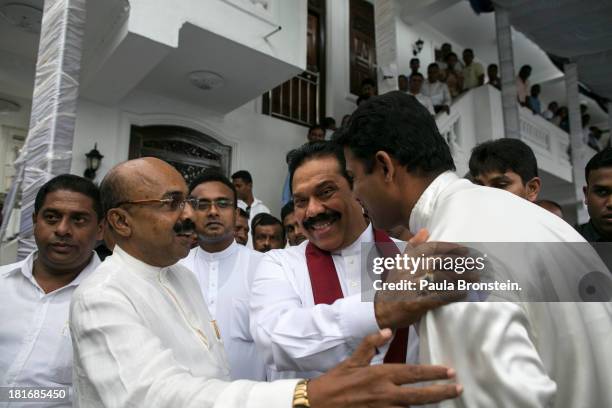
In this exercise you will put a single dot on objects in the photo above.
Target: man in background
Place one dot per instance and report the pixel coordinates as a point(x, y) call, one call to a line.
point(243, 182)
point(293, 230)
point(507, 164)
point(224, 270)
point(598, 198)
point(415, 89)
point(473, 72)
point(267, 233)
point(241, 229)
point(436, 90)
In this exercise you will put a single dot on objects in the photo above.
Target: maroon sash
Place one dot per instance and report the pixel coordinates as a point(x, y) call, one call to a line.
point(326, 287)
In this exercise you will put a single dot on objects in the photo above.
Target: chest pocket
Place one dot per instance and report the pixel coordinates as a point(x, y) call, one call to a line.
point(62, 358)
point(239, 327)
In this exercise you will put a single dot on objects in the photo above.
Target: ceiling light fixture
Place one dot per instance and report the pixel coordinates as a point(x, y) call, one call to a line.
point(24, 16)
point(206, 80)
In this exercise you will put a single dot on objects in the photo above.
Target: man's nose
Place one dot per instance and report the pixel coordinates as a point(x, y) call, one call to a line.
point(63, 228)
point(188, 212)
point(314, 207)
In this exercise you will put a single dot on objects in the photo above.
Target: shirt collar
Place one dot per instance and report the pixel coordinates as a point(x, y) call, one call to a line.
point(135, 265)
point(217, 256)
point(426, 204)
point(366, 236)
point(26, 267)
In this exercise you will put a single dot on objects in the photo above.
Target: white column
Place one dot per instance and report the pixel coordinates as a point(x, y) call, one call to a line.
point(385, 12)
point(48, 148)
point(510, 105)
point(576, 143)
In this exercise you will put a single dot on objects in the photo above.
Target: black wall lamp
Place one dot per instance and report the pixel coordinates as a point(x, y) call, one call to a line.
point(417, 47)
point(94, 159)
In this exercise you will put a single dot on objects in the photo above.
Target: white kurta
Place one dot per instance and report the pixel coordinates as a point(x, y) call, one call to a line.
point(35, 346)
point(225, 279)
point(512, 354)
point(298, 337)
point(142, 337)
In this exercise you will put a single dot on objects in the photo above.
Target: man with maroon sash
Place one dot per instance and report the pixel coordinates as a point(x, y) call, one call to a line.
point(307, 312)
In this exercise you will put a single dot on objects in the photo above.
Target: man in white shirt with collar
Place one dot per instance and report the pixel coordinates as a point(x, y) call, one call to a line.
point(436, 89)
point(142, 334)
point(224, 270)
point(415, 84)
point(307, 312)
point(508, 354)
point(243, 182)
point(35, 346)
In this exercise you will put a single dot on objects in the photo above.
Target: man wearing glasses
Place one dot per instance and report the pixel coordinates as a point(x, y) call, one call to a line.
point(224, 270)
point(143, 337)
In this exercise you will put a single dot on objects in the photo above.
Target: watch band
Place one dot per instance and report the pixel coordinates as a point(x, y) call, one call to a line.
point(300, 395)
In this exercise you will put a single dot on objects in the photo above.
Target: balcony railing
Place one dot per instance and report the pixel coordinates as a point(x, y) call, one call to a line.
point(296, 100)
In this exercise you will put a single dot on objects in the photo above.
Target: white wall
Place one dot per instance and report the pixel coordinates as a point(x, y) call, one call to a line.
point(259, 143)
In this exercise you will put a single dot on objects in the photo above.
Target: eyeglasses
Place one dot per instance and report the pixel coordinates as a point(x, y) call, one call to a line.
point(205, 205)
point(173, 203)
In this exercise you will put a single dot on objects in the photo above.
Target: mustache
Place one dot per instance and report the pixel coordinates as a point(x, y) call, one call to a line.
point(184, 227)
point(328, 215)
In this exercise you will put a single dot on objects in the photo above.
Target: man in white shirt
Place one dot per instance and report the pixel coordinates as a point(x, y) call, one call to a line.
point(35, 347)
point(415, 84)
point(243, 181)
point(142, 334)
point(436, 90)
point(307, 312)
point(267, 232)
point(224, 270)
point(509, 354)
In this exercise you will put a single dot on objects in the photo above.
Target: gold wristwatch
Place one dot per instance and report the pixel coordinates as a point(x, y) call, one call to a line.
point(300, 395)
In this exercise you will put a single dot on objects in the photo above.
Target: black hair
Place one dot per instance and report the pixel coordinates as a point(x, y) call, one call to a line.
point(433, 65)
point(368, 81)
point(242, 213)
point(492, 65)
point(316, 126)
point(503, 155)
point(450, 54)
point(523, 70)
point(468, 50)
point(415, 59)
point(402, 76)
point(70, 182)
point(243, 175)
point(212, 175)
point(601, 159)
point(416, 74)
point(317, 150)
point(398, 124)
point(286, 210)
point(264, 219)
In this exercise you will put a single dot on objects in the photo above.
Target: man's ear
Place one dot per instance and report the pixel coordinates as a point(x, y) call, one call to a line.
point(100, 230)
point(33, 218)
point(120, 221)
point(585, 190)
point(384, 162)
point(533, 188)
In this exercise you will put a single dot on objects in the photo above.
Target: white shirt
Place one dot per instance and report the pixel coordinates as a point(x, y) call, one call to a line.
point(257, 207)
point(35, 346)
point(142, 337)
point(512, 354)
point(425, 101)
point(438, 92)
point(298, 337)
point(225, 279)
